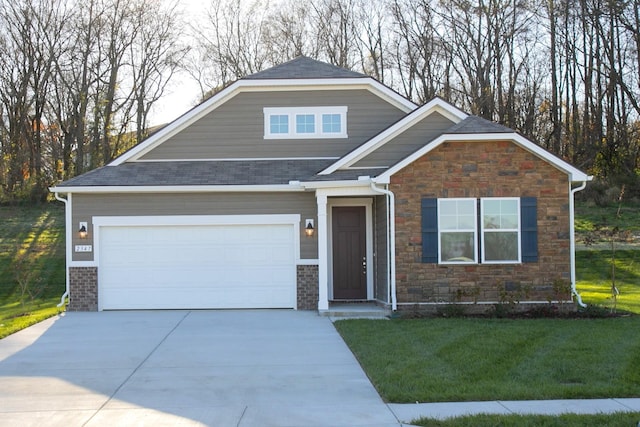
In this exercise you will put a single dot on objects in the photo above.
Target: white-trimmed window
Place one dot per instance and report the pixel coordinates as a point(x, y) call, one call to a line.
point(305, 122)
point(457, 231)
point(500, 230)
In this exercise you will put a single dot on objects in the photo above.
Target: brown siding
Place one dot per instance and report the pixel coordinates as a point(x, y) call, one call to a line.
point(407, 142)
point(236, 129)
point(481, 169)
point(85, 207)
point(381, 289)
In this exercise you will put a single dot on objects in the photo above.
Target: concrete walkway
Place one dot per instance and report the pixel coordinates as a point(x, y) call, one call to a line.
point(214, 368)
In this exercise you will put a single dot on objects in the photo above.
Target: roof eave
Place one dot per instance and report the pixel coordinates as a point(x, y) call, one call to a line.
point(176, 188)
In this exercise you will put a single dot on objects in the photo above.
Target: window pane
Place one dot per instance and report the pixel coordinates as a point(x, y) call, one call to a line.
point(501, 246)
point(509, 221)
point(448, 223)
point(279, 123)
point(457, 247)
point(500, 214)
point(457, 214)
point(305, 123)
point(331, 123)
point(466, 222)
point(448, 207)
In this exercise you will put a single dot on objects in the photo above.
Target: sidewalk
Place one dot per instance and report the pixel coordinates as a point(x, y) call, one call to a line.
point(408, 412)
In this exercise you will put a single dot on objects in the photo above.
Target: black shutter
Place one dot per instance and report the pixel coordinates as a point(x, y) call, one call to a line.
point(529, 229)
point(430, 231)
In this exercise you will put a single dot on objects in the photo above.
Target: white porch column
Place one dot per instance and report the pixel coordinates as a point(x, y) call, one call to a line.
point(323, 253)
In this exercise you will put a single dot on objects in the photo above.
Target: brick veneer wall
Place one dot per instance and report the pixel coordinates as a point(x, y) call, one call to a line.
point(481, 169)
point(307, 279)
point(83, 289)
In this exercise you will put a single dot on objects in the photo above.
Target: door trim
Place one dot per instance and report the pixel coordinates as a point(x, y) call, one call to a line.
point(367, 202)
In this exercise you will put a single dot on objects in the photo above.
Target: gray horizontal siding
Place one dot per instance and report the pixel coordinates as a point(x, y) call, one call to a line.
point(236, 128)
point(407, 142)
point(85, 207)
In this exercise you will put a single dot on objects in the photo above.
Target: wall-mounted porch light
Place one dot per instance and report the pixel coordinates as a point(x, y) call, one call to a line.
point(82, 232)
point(308, 229)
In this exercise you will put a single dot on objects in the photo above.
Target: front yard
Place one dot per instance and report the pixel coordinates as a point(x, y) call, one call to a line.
point(469, 359)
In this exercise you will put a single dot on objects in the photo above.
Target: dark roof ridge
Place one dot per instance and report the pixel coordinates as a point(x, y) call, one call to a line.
point(303, 67)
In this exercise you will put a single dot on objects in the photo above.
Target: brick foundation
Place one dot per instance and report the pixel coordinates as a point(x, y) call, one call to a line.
point(307, 279)
point(83, 289)
point(475, 170)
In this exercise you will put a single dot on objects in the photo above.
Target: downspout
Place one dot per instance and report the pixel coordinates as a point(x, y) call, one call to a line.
point(67, 228)
point(391, 241)
point(574, 291)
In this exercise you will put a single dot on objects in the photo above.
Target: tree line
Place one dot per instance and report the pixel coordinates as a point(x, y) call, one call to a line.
point(79, 78)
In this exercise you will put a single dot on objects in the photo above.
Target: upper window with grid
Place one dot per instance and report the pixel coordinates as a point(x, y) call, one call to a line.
point(305, 122)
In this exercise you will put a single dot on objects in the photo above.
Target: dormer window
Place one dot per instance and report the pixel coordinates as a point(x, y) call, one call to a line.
point(305, 122)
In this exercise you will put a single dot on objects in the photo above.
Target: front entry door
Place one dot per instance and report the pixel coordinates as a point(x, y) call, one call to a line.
point(349, 253)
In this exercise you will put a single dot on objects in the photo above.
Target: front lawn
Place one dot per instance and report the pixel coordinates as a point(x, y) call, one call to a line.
point(468, 359)
point(618, 419)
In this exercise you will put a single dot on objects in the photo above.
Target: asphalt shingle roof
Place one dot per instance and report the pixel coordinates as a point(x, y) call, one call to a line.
point(303, 67)
point(250, 172)
point(475, 124)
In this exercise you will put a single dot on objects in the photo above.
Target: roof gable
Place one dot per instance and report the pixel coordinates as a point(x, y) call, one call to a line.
point(436, 105)
point(574, 173)
point(303, 67)
point(355, 81)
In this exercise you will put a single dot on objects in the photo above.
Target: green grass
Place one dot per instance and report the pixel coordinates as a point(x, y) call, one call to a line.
point(594, 272)
point(593, 218)
point(31, 251)
point(467, 359)
point(627, 419)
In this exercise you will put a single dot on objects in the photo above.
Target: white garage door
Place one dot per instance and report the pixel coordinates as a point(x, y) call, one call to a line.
point(186, 266)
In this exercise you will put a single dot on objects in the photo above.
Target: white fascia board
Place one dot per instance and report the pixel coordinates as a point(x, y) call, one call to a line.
point(335, 184)
point(179, 189)
point(435, 105)
point(575, 174)
point(267, 85)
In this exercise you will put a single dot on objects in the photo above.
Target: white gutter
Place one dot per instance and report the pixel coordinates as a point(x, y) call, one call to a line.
point(574, 291)
point(391, 242)
point(67, 228)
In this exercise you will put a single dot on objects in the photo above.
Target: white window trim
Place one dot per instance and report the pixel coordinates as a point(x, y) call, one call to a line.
point(475, 232)
point(518, 230)
point(317, 112)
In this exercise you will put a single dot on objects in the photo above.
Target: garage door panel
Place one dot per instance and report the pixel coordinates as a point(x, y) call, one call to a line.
point(218, 266)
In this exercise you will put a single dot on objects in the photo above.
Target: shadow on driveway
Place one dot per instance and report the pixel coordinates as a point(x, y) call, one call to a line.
point(215, 368)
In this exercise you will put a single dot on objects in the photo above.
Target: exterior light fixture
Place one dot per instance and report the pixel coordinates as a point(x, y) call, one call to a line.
point(82, 232)
point(309, 230)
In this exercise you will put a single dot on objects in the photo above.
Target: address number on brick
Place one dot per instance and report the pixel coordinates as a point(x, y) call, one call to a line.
point(84, 248)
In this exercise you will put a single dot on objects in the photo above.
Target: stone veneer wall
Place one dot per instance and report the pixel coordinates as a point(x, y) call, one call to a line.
point(307, 280)
point(83, 289)
point(482, 169)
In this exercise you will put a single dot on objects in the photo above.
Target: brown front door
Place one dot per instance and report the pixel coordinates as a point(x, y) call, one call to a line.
point(349, 253)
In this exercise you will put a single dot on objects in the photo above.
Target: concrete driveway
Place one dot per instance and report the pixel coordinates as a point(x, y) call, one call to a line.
point(215, 368)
